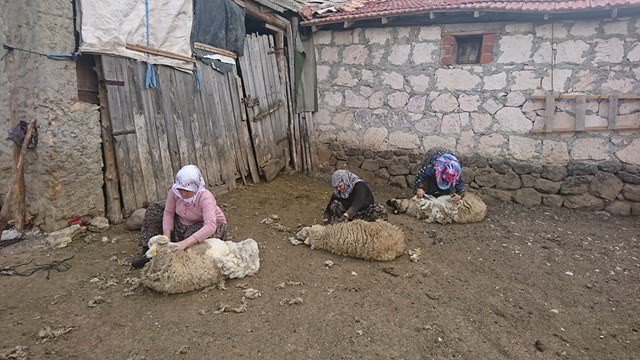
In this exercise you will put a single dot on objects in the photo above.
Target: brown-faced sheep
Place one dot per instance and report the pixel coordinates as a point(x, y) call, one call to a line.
point(201, 265)
point(470, 209)
point(380, 240)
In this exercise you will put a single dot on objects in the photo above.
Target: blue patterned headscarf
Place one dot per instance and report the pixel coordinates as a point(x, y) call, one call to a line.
point(346, 178)
point(447, 169)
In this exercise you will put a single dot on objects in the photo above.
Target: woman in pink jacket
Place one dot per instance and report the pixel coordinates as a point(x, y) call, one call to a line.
point(190, 215)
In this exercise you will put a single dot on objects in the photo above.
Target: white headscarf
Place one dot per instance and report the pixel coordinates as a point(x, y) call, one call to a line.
point(188, 178)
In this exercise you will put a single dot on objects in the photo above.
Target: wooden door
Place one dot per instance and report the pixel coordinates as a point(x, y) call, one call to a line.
point(266, 101)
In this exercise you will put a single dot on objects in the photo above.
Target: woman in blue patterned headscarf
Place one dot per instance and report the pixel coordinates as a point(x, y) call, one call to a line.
point(351, 199)
point(439, 175)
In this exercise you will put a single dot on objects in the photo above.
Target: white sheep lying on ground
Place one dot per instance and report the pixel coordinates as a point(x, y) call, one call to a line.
point(470, 209)
point(378, 240)
point(201, 265)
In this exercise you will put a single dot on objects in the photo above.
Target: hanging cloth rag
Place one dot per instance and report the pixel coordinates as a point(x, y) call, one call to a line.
point(18, 133)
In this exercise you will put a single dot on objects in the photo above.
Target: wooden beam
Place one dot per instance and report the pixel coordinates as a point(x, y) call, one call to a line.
point(589, 97)
point(433, 15)
point(477, 13)
point(546, 17)
point(614, 13)
point(550, 111)
point(152, 51)
point(348, 24)
point(19, 168)
point(613, 111)
point(385, 20)
point(111, 179)
point(581, 110)
point(215, 50)
point(19, 197)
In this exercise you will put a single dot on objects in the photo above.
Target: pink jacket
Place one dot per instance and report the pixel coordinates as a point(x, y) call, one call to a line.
point(205, 209)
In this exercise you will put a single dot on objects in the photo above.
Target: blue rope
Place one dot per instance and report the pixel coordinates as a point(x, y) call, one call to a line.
point(150, 80)
point(197, 77)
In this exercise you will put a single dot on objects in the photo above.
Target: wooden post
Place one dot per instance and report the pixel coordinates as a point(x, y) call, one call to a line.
point(550, 110)
point(613, 111)
point(19, 208)
point(111, 182)
point(581, 110)
point(19, 168)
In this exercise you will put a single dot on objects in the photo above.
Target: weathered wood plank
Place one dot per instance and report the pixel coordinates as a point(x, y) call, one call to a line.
point(550, 110)
point(143, 115)
point(111, 180)
point(613, 111)
point(204, 128)
point(164, 98)
point(113, 71)
point(170, 124)
point(194, 123)
point(249, 82)
point(581, 111)
point(251, 157)
point(239, 145)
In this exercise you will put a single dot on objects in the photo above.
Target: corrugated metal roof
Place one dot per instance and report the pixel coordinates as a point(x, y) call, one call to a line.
point(336, 11)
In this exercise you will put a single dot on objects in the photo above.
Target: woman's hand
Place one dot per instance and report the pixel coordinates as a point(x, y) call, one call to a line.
point(455, 198)
point(180, 246)
point(420, 193)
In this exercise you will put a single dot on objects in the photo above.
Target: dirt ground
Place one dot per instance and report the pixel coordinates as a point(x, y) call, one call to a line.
point(526, 283)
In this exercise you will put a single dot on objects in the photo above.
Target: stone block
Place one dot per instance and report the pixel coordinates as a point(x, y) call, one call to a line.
point(98, 224)
point(575, 185)
point(609, 50)
point(419, 83)
point(399, 54)
point(429, 33)
point(377, 35)
point(501, 195)
point(527, 197)
point(370, 165)
point(355, 161)
point(515, 99)
point(487, 177)
point(581, 168)
point(522, 167)
point(374, 137)
point(491, 145)
point(584, 202)
point(512, 119)
point(547, 186)
point(385, 154)
point(515, 48)
point(631, 192)
point(495, 82)
point(629, 178)
point(528, 181)
point(610, 166)
point(393, 79)
point(64, 237)
point(368, 153)
point(492, 106)
point(445, 103)
point(632, 169)
point(500, 165)
point(399, 167)
point(329, 54)
point(571, 51)
point(432, 141)
point(425, 53)
point(416, 104)
point(631, 153)
point(480, 122)
point(523, 148)
point(450, 124)
point(400, 181)
point(620, 208)
point(635, 209)
point(468, 174)
point(585, 28)
point(554, 152)
point(355, 54)
point(398, 99)
point(554, 201)
point(456, 79)
point(606, 186)
point(554, 172)
point(428, 125)
point(525, 80)
point(475, 160)
point(469, 102)
point(509, 181)
point(590, 149)
point(134, 222)
point(404, 140)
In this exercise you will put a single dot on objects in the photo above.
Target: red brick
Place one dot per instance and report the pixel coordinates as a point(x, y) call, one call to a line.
point(447, 60)
point(448, 40)
point(448, 50)
point(487, 48)
point(488, 38)
point(486, 58)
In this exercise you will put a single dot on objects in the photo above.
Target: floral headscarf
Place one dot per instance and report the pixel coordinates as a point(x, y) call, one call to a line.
point(346, 178)
point(447, 169)
point(188, 178)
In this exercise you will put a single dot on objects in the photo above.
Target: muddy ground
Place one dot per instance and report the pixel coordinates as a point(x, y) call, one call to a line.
point(526, 283)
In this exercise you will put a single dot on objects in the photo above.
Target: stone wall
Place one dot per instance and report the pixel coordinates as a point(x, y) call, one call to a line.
point(63, 174)
point(385, 98)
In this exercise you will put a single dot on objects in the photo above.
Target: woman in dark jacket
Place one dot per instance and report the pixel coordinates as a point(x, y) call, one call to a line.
point(352, 199)
point(439, 175)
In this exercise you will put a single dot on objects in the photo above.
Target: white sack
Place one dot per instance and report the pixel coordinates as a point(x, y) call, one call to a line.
point(108, 25)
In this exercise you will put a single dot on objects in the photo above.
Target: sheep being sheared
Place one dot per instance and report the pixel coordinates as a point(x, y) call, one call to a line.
point(201, 265)
point(379, 240)
point(470, 209)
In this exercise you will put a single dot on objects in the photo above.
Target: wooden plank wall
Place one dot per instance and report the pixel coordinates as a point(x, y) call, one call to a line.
point(172, 126)
point(262, 81)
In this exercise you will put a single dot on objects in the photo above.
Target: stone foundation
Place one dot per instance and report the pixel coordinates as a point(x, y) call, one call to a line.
point(609, 186)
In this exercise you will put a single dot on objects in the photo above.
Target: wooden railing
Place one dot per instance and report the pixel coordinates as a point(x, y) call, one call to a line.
point(581, 110)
